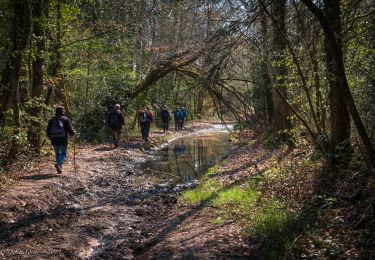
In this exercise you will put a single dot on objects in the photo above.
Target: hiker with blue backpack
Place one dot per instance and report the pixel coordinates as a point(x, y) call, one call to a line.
point(58, 129)
point(165, 117)
point(177, 118)
point(115, 123)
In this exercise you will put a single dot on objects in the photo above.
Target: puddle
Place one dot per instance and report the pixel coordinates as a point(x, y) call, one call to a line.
point(186, 158)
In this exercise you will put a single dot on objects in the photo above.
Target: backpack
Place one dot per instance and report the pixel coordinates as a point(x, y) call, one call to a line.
point(57, 129)
point(113, 120)
point(142, 117)
point(150, 116)
point(164, 114)
point(178, 114)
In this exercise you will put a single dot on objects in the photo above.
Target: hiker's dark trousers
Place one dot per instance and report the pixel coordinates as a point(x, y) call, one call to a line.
point(165, 124)
point(116, 136)
point(145, 130)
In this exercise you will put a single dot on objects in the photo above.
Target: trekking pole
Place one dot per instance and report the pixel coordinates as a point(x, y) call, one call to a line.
point(74, 155)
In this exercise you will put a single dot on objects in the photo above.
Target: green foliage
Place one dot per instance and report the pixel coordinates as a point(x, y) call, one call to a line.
point(236, 197)
point(92, 126)
point(267, 218)
point(218, 221)
point(9, 138)
point(202, 193)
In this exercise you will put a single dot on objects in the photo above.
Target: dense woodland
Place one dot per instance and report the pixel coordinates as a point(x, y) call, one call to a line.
point(299, 71)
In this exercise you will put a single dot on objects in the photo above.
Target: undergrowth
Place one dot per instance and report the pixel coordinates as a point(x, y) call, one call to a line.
point(269, 219)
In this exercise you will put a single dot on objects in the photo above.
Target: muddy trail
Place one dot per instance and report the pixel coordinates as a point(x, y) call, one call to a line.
point(117, 205)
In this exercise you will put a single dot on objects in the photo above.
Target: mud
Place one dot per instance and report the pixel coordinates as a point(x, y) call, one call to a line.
point(111, 208)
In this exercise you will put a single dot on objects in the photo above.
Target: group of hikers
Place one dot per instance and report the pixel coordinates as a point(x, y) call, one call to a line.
point(179, 116)
point(60, 126)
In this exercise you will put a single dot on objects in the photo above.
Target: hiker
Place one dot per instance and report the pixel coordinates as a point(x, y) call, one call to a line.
point(57, 131)
point(177, 118)
point(184, 116)
point(115, 123)
point(145, 117)
point(165, 117)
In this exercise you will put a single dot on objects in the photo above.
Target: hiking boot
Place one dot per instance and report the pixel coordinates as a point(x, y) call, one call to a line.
point(58, 168)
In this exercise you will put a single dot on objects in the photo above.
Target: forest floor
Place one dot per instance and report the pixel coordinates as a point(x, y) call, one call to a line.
point(110, 209)
point(107, 209)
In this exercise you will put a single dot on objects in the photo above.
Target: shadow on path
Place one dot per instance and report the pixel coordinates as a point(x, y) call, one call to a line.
point(37, 177)
point(144, 247)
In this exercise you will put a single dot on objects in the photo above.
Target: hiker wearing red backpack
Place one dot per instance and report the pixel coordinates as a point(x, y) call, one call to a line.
point(115, 123)
point(57, 131)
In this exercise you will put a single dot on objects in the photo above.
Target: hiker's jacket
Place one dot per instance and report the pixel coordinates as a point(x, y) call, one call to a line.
point(165, 114)
point(120, 119)
point(178, 114)
point(67, 126)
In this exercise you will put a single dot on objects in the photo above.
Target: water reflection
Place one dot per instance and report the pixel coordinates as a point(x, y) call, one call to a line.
point(185, 159)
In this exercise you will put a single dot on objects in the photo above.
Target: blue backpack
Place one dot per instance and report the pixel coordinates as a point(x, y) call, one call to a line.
point(178, 114)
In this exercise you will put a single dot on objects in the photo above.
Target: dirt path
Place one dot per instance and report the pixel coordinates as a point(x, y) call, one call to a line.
point(108, 210)
point(189, 232)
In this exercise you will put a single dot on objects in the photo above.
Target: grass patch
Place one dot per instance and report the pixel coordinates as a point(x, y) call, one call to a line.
point(274, 223)
point(213, 170)
point(218, 221)
point(262, 216)
point(268, 220)
point(236, 197)
point(201, 193)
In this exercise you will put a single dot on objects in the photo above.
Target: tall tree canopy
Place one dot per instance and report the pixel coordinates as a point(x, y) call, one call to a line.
point(290, 67)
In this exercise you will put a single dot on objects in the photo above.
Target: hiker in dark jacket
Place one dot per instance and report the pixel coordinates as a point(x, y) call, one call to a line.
point(145, 117)
point(165, 117)
point(115, 123)
point(57, 131)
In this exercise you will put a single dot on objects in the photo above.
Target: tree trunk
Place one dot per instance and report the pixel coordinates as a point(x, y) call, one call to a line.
point(281, 111)
point(344, 91)
point(20, 37)
point(38, 8)
point(55, 66)
point(38, 62)
point(340, 118)
point(265, 72)
point(320, 108)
